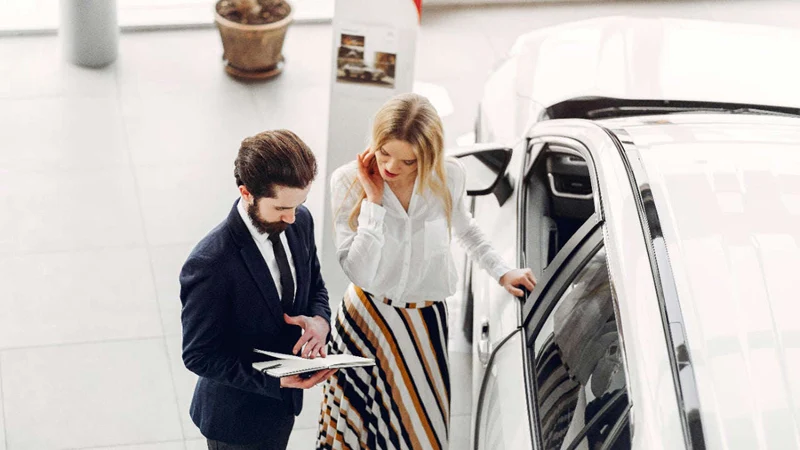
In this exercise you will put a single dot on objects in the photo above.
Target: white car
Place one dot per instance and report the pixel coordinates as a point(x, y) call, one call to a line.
point(361, 70)
point(648, 172)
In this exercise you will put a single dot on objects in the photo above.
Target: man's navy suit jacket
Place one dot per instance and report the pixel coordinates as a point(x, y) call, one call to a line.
point(231, 306)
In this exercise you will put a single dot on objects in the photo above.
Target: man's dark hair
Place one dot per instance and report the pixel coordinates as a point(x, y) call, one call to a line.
point(271, 158)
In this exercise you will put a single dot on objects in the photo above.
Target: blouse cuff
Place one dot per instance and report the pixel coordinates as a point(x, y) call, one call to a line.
point(499, 270)
point(371, 216)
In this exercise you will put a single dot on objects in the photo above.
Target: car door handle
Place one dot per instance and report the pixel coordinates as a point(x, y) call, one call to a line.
point(484, 347)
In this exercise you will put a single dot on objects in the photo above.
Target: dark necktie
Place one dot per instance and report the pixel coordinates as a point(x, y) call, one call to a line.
point(287, 283)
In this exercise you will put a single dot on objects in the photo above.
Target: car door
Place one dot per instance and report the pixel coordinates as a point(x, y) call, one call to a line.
point(558, 225)
point(495, 312)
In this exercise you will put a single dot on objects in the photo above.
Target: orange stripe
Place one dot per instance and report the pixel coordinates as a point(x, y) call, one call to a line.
point(428, 370)
point(361, 437)
point(404, 374)
point(350, 307)
point(385, 405)
point(380, 357)
point(430, 341)
point(339, 438)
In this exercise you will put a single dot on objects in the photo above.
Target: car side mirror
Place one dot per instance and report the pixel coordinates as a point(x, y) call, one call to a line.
point(486, 165)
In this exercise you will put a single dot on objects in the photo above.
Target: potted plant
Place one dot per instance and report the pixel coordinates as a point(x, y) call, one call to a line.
point(252, 34)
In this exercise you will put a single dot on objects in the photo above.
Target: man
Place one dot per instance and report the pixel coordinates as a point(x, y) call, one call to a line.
point(254, 282)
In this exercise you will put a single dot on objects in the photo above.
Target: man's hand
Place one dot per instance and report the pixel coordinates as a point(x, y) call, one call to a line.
point(315, 331)
point(295, 381)
point(518, 277)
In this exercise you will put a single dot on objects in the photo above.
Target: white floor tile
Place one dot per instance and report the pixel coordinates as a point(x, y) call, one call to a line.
point(34, 67)
point(460, 432)
point(312, 402)
point(89, 395)
point(304, 111)
point(62, 133)
point(184, 382)
point(460, 383)
point(167, 262)
point(308, 51)
point(190, 127)
point(315, 204)
point(188, 62)
point(178, 445)
point(68, 210)
point(196, 444)
point(77, 297)
point(182, 203)
point(303, 439)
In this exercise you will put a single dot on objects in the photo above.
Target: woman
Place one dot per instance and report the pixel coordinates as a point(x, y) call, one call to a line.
point(396, 208)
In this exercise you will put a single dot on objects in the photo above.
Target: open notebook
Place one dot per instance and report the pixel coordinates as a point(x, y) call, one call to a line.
point(285, 365)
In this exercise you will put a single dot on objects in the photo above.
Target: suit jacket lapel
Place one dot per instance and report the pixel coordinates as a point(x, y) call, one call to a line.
point(255, 264)
point(300, 268)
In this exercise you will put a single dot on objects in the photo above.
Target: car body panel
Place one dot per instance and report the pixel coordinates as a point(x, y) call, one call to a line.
point(639, 59)
point(493, 304)
point(730, 213)
point(506, 430)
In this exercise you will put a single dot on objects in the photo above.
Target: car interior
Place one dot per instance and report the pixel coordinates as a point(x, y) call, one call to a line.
point(579, 377)
point(559, 199)
point(579, 380)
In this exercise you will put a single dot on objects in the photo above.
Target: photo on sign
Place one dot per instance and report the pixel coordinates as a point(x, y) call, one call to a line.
point(353, 66)
point(350, 55)
point(386, 62)
point(352, 40)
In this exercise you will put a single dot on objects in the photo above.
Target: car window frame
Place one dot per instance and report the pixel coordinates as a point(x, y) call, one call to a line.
point(584, 248)
point(541, 144)
point(564, 267)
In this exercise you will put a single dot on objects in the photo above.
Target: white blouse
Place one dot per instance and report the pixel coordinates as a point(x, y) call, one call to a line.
point(403, 256)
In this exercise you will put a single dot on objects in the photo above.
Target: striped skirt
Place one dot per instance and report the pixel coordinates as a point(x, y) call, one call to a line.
point(403, 402)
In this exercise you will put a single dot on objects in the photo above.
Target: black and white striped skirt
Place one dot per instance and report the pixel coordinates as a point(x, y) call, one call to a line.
point(403, 402)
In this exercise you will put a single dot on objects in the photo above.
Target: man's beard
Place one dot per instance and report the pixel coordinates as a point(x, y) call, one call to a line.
point(262, 225)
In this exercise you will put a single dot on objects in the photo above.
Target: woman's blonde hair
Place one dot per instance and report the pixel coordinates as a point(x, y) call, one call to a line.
point(411, 118)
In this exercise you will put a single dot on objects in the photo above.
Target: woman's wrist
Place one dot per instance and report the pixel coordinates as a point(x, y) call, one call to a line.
point(375, 199)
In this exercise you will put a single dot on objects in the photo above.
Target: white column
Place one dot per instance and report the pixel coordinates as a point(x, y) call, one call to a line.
point(365, 33)
point(89, 31)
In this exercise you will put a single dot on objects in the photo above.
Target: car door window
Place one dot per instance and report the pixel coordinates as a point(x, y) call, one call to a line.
point(578, 377)
point(502, 422)
point(558, 198)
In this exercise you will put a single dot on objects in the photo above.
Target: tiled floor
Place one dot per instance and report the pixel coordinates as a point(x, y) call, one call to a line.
point(108, 178)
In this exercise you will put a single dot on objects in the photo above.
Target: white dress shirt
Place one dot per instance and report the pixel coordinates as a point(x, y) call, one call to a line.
point(265, 247)
point(403, 256)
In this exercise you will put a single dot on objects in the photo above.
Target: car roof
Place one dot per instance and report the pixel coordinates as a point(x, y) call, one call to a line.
point(727, 194)
point(674, 59)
